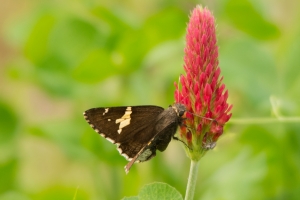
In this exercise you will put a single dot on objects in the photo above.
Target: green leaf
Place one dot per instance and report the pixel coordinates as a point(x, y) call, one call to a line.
point(112, 23)
point(157, 191)
point(96, 66)
point(289, 70)
point(73, 37)
point(126, 43)
point(54, 67)
point(246, 18)
point(254, 65)
point(61, 193)
point(8, 175)
point(36, 46)
point(172, 16)
point(8, 123)
point(130, 198)
point(13, 195)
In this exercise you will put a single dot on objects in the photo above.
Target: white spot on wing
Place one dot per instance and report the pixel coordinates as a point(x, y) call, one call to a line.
point(125, 116)
point(126, 156)
point(105, 111)
point(120, 150)
point(124, 123)
point(109, 120)
point(111, 140)
point(124, 120)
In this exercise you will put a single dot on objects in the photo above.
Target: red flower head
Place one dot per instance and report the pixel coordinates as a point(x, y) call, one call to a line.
point(202, 91)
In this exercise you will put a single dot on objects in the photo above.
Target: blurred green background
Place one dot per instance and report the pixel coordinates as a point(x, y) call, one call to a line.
point(59, 58)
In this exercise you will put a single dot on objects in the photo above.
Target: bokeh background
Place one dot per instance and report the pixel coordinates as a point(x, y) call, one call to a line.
point(59, 58)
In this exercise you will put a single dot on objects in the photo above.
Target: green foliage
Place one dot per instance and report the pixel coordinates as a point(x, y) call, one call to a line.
point(61, 58)
point(245, 17)
point(157, 191)
point(8, 123)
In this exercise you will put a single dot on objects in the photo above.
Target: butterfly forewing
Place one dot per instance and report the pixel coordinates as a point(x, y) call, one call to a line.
point(130, 128)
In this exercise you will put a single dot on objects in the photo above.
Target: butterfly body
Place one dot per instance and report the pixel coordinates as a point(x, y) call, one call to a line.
point(138, 131)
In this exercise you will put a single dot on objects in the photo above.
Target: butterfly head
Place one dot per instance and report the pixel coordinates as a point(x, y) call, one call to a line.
point(179, 108)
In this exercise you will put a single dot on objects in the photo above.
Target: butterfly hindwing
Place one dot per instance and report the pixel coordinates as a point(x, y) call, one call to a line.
point(130, 128)
point(165, 127)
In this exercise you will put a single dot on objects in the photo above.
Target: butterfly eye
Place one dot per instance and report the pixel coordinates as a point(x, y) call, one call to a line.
point(181, 113)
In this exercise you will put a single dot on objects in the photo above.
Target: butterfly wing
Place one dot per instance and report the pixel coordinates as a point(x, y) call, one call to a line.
point(130, 128)
point(165, 128)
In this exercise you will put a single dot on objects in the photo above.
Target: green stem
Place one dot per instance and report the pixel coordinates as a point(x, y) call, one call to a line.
point(265, 120)
point(190, 188)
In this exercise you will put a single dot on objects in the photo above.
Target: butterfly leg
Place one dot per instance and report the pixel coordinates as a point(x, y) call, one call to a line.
point(176, 138)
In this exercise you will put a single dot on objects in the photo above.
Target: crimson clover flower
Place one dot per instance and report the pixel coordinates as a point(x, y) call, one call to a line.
point(202, 92)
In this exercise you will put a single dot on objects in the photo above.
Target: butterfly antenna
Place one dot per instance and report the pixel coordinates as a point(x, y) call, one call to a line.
point(179, 83)
point(211, 119)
